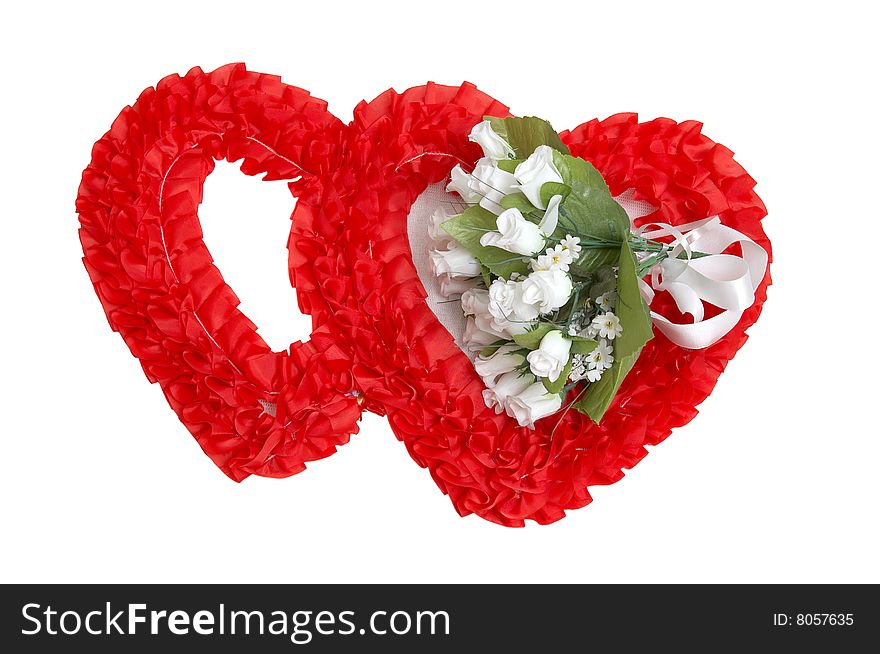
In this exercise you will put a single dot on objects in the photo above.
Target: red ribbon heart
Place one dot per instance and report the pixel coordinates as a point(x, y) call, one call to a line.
point(375, 340)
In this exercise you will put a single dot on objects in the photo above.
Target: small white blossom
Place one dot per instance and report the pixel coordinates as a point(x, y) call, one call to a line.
point(607, 325)
point(559, 262)
point(578, 368)
point(541, 262)
point(572, 244)
point(601, 357)
point(579, 329)
point(606, 301)
point(581, 367)
point(564, 254)
point(552, 259)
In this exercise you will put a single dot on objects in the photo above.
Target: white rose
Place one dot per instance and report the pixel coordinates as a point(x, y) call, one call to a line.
point(522, 310)
point(475, 301)
point(547, 289)
point(536, 171)
point(452, 286)
point(503, 360)
point(510, 315)
point(477, 338)
point(454, 261)
point(459, 182)
point(491, 184)
point(501, 296)
point(487, 323)
point(435, 225)
point(515, 234)
point(493, 145)
point(531, 404)
point(510, 383)
point(551, 356)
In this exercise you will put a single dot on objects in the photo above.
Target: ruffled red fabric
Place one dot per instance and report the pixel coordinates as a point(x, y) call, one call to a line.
point(155, 278)
point(351, 264)
point(407, 363)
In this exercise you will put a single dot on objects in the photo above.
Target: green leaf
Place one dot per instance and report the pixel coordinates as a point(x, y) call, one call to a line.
point(468, 227)
point(575, 169)
point(606, 274)
point(487, 279)
point(532, 338)
point(601, 287)
point(549, 189)
point(557, 386)
point(593, 213)
point(594, 258)
point(636, 322)
point(489, 350)
point(581, 345)
point(590, 210)
point(521, 202)
point(508, 165)
point(526, 134)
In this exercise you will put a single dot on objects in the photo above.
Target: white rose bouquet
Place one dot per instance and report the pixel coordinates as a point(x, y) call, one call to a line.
point(550, 270)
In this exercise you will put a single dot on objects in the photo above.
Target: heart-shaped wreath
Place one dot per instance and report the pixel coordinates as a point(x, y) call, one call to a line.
point(645, 214)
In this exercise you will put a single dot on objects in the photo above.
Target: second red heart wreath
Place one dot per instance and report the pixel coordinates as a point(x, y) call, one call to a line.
point(529, 308)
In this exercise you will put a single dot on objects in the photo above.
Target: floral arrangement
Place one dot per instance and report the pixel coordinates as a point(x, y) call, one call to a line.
point(549, 273)
point(378, 344)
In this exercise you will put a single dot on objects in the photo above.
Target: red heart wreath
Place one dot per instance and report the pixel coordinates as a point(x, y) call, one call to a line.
point(376, 343)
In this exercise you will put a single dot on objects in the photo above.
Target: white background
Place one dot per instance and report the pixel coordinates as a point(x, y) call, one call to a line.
point(776, 479)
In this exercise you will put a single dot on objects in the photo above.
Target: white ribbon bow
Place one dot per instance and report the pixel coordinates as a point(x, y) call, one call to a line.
point(725, 280)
